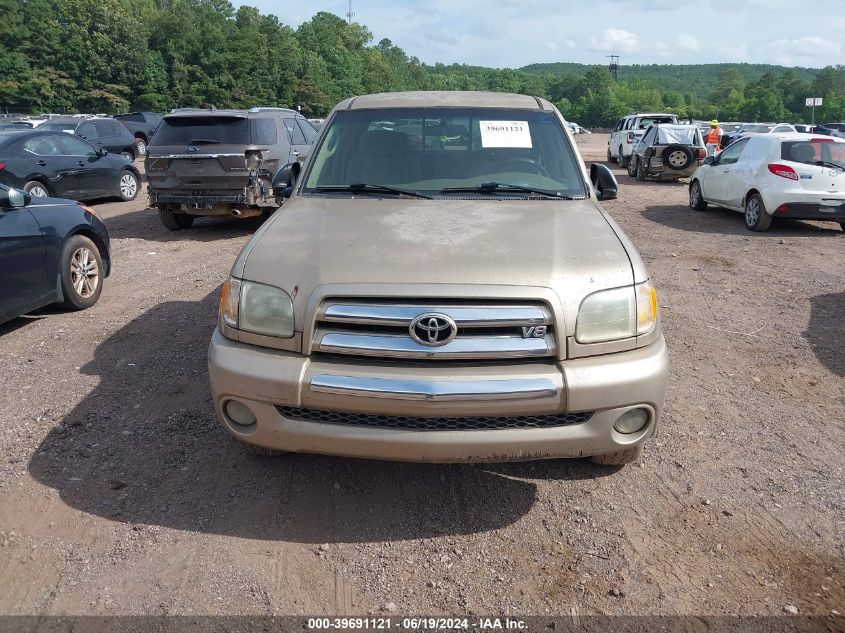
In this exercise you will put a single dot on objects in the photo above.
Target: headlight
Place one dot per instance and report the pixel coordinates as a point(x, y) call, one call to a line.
point(257, 308)
point(620, 313)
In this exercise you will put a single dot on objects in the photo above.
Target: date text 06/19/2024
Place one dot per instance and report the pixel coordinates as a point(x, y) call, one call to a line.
point(414, 624)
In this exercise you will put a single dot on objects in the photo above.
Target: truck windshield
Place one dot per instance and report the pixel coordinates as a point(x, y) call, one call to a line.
point(428, 150)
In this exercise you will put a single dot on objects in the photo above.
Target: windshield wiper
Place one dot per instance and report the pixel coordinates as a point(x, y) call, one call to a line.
point(361, 187)
point(204, 141)
point(497, 187)
point(825, 163)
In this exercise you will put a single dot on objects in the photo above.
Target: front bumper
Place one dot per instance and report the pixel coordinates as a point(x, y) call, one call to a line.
point(267, 379)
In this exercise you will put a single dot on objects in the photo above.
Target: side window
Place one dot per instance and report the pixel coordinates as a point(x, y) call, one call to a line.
point(87, 130)
point(264, 131)
point(42, 146)
point(294, 133)
point(308, 130)
point(76, 147)
point(731, 155)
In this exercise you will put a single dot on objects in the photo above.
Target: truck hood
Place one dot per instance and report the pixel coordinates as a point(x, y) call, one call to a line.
point(567, 246)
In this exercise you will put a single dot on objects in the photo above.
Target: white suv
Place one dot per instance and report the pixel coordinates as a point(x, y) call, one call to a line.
point(628, 132)
point(789, 175)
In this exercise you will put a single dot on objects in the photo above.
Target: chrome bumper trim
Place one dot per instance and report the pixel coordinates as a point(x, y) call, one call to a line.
point(434, 390)
point(484, 347)
point(464, 316)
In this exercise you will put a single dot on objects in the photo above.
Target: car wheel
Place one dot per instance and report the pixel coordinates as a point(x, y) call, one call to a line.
point(641, 171)
point(632, 166)
point(756, 217)
point(696, 199)
point(175, 221)
point(610, 158)
point(81, 273)
point(677, 157)
point(141, 144)
point(128, 186)
point(623, 162)
point(619, 458)
point(36, 189)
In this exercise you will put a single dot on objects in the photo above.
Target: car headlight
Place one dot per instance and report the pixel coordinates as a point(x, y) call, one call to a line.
point(620, 313)
point(257, 308)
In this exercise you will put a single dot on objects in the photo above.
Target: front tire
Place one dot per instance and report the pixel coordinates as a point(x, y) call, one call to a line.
point(36, 189)
point(141, 144)
point(641, 171)
point(756, 218)
point(696, 198)
point(81, 273)
point(610, 158)
point(632, 167)
point(127, 186)
point(174, 221)
point(619, 458)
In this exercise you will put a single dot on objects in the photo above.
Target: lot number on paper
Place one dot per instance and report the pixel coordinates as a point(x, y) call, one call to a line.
point(505, 134)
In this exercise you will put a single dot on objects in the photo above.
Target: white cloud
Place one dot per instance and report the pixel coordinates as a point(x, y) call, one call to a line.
point(686, 42)
point(616, 41)
point(804, 50)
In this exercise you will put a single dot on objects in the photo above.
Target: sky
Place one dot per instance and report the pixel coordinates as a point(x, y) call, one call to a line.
point(514, 33)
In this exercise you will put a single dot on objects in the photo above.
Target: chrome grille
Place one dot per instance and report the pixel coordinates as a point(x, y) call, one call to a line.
point(408, 423)
point(484, 329)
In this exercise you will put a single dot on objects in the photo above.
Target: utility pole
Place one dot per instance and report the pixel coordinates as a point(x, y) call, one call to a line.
point(350, 14)
point(614, 66)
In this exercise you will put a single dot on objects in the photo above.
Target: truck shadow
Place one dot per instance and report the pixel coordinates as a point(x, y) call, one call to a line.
point(826, 331)
point(145, 224)
point(144, 447)
point(727, 222)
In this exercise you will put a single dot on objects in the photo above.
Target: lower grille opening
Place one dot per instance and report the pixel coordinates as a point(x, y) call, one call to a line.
point(475, 423)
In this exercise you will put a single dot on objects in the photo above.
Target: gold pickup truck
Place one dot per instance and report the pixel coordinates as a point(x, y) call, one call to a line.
point(441, 285)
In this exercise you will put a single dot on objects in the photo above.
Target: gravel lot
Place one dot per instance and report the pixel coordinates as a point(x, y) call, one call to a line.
point(120, 494)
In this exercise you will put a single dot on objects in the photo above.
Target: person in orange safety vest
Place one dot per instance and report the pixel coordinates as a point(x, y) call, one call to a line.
point(713, 138)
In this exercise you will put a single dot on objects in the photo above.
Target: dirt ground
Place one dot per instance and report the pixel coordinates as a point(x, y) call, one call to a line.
point(121, 494)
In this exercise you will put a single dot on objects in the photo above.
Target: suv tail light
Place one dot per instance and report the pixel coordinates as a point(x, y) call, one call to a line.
point(630, 137)
point(2, 165)
point(701, 154)
point(784, 171)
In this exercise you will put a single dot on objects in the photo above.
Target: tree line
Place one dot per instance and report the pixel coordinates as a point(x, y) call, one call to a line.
point(118, 55)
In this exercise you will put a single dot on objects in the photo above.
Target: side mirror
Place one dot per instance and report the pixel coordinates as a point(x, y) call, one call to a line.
point(709, 160)
point(604, 182)
point(284, 180)
point(102, 152)
point(15, 199)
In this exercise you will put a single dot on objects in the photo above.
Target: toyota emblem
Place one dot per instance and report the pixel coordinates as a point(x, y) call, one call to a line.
point(433, 329)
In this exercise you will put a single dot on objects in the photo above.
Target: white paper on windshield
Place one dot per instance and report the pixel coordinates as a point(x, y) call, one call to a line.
point(505, 134)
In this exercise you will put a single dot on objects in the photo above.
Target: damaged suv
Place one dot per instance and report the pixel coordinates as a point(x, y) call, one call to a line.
point(442, 285)
point(221, 162)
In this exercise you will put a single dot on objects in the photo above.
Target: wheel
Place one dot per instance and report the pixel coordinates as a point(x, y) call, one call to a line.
point(623, 161)
point(628, 456)
point(756, 217)
point(128, 156)
point(696, 199)
point(174, 221)
point(260, 450)
point(81, 273)
point(642, 172)
point(127, 188)
point(610, 158)
point(36, 189)
point(141, 144)
point(677, 157)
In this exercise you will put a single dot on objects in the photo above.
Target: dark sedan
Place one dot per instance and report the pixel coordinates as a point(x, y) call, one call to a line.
point(51, 251)
point(60, 164)
point(102, 132)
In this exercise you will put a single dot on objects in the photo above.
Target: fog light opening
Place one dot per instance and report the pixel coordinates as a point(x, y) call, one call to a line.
point(239, 413)
point(632, 421)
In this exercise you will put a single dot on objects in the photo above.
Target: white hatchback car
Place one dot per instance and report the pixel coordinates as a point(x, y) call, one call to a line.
point(792, 175)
